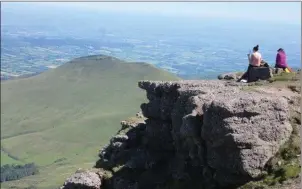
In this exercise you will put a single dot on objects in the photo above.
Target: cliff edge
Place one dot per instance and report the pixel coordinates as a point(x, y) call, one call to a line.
point(202, 134)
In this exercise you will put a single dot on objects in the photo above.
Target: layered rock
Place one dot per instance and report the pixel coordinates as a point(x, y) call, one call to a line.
point(204, 131)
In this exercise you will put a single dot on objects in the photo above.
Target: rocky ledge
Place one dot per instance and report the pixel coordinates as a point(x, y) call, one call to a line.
point(197, 134)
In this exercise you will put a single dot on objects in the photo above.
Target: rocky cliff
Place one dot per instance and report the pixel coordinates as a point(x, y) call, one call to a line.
point(196, 134)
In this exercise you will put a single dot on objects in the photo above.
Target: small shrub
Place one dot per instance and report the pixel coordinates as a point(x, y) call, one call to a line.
point(16, 172)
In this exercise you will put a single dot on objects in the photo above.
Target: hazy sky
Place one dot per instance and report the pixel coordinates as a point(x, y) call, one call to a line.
point(287, 12)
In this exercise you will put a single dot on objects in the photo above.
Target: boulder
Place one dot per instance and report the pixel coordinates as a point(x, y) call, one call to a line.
point(242, 133)
point(229, 76)
point(83, 180)
point(259, 73)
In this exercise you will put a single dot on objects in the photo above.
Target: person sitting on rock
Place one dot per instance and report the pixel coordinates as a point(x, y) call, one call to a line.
point(281, 61)
point(254, 61)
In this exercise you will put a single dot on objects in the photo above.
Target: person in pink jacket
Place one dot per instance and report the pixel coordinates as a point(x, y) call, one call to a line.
point(281, 61)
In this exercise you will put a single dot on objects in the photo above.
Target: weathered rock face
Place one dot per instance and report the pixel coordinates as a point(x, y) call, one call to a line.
point(83, 180)
point(243, 133)
point(208, 133)
point(234, 133)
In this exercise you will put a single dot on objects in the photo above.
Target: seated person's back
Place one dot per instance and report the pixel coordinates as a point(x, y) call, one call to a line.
point(255, 59)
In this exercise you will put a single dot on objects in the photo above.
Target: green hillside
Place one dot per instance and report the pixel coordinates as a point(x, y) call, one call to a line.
point(60, 119)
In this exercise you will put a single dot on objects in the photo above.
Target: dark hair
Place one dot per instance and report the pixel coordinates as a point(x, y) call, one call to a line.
point(256, 48)
point(280, 50)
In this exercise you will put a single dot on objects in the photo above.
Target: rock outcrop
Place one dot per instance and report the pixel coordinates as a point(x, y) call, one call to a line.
point(209, 134)
point(83, 180)
point(230, 76)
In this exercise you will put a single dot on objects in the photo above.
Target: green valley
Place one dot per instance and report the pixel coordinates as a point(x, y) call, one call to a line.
point(61, 118)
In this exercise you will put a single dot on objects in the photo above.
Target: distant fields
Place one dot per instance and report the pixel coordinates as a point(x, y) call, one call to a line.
point(191, 48)
point(61, 118)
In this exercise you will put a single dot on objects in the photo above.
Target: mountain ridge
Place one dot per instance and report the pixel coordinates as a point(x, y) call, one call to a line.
point(80, 60)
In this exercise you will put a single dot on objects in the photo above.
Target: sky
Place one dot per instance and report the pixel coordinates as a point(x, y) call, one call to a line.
point(287, 12)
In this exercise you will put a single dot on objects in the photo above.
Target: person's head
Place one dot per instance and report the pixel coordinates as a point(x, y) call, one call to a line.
point(256, 48)
point(280, 50)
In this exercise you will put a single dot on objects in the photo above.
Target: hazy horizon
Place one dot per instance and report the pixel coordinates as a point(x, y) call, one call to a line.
point(279, 12)
point(197, 40)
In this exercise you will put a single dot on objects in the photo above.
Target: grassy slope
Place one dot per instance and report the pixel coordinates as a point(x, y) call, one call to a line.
point(60, 119)
point(8, 160)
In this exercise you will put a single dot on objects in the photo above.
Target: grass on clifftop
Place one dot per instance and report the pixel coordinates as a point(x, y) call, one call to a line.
point(289, 80)
point(293, 76)
point(61, 118)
